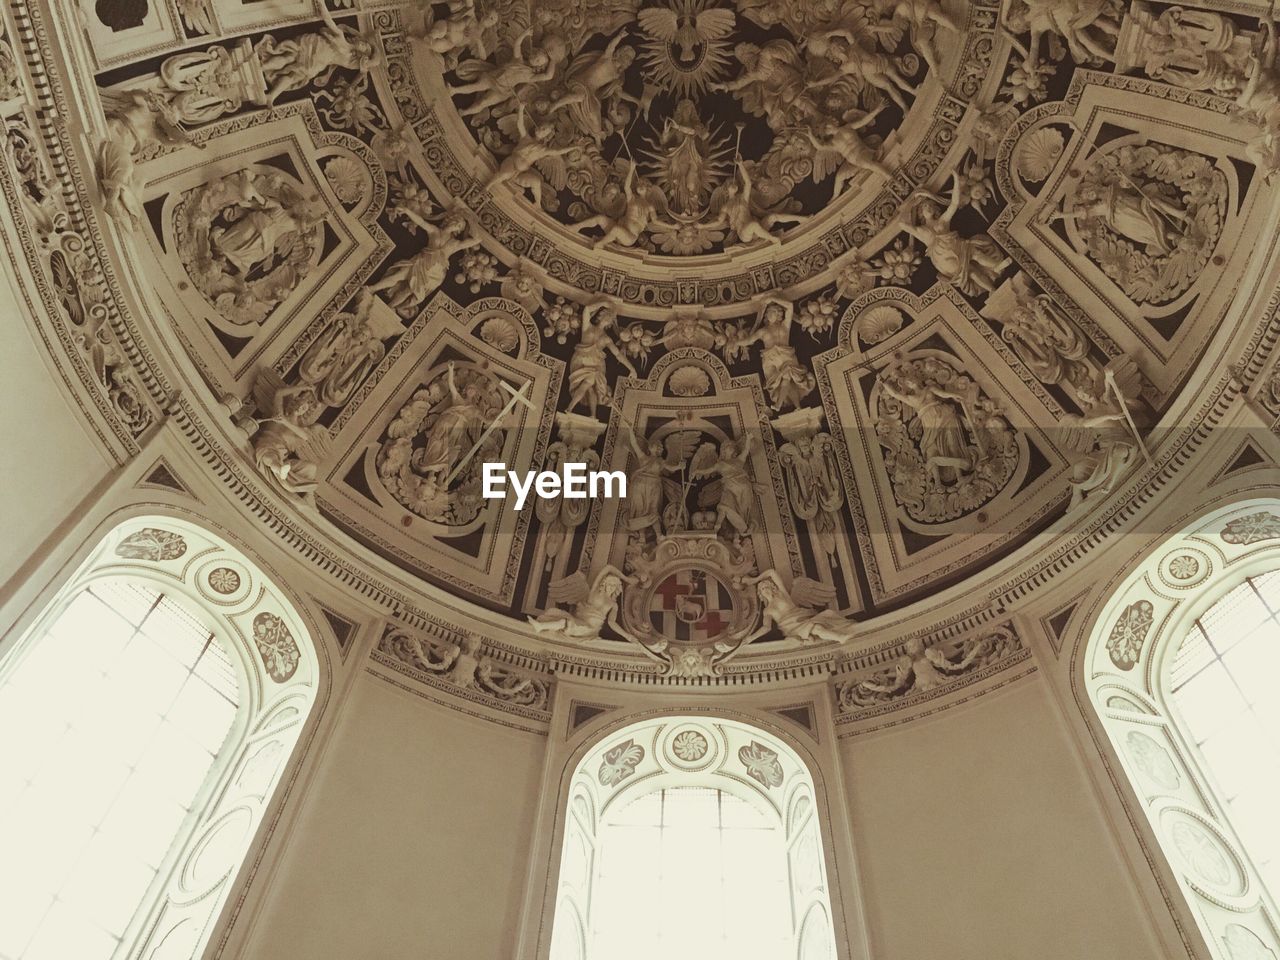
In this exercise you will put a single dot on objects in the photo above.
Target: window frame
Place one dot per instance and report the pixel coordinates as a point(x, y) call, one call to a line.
point(183, 906)
point(579, 800)
point(1125, 668)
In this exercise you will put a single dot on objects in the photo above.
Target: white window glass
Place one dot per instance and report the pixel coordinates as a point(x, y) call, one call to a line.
point(690, 874)
point(1222, 686)
point(109, 726)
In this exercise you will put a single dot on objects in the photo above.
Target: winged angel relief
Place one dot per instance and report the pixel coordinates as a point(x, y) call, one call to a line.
point(681, 126)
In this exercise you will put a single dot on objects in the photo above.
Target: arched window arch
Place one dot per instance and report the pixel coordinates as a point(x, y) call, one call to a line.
point(1173, 669)
point(149, 713)
point(692, 837)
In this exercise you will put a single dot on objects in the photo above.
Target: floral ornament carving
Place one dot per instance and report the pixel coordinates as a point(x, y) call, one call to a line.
point(1149, 216)
point(762, 764)
point(689, 746)
point(510, 685)
point(948, 449)
point(247, 240)
point(224, 580)
point(276, 646)
point(153, 544)
point(1130, 631)
point(1153, 760)
point(1256, 527)
point(427, 654)
point(1202, 852)
point(1184, 567)
point(620, 761)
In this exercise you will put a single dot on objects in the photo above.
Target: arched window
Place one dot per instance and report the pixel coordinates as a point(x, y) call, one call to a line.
point(147, 716)
point(1180, 670)
point(691, 838)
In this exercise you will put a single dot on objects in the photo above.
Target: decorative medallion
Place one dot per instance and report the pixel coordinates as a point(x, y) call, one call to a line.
point(276, 646)
point(151, 543)
point(689, 746)
point(1202, 852)
point(1152, 760)
point(620, 761)
point(1127, 636)
point(761, 763)
point(1184, 567)
point(1252, 529)
point(224, 580)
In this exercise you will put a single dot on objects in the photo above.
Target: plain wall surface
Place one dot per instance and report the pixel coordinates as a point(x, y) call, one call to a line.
point(51, 462)
point(412, 842)
point(980, 838)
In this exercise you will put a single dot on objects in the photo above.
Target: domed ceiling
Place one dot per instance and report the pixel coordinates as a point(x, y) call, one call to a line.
point(862, 296)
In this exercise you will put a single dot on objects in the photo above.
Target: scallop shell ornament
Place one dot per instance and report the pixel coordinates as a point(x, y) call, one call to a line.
point(878, 324)
point(1038, 153)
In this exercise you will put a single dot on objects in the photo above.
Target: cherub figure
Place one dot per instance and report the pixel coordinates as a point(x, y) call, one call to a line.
point(532, 150)
point(841, 146)
point(137, 121)
point(588, 376)
point(919, 669)
point(732, 203)
point(642, 203)
point(736, 502)
point(592, 607)
point(973, 264)
point(411, 281)
point(464, 30)
point(500, 84)
point(797, 621)
point(288, 444)
point(294, 63)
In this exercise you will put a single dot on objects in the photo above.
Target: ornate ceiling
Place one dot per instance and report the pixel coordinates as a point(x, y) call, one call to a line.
point(862, 296)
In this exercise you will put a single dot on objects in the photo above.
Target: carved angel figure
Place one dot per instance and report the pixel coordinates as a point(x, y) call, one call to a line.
point(592, 606)
point(532, 151)
point(502, 83)
point(588, 376)
point(685, 162)
point(786, 379)
point(799, 621)
point(1104, 442)
point(264, 224)
point(593, 89)
point(732, 202)
point(411, 281)
point(642, 202)
point(294, 63)
point(941, 408)
point(1081, 23)
point(922, 19)
point(138, 121)
point(646, 482)
point(860, 64)
point(840, 147)
point(972, 263)
point(288, 444)
point(457, 427)
point(735, 504)
point(922, 668)
point(464, 29)
point(772, 83)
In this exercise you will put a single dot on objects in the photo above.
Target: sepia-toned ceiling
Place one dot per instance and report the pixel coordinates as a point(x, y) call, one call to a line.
point(862, 296)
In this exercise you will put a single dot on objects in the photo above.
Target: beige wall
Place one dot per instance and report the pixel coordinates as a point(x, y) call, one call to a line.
point(412, 841)
point(979, 838)
point(50, 462)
